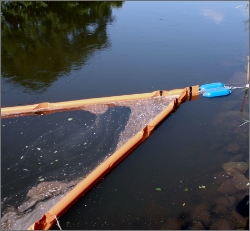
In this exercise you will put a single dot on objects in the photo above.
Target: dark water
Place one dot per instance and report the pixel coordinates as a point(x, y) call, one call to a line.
point(55, 147)
point(64, 51)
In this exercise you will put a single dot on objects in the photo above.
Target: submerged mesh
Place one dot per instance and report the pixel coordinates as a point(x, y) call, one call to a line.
point(52, 153)
point(142, 112)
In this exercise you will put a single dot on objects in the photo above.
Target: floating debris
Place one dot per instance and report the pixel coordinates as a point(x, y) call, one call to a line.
point(42, 179)
point(185, 189)
point(69, 119)
point(158, 189)
point(203, 186)
point(38, 149)
point(57, 222)
point(246, 121)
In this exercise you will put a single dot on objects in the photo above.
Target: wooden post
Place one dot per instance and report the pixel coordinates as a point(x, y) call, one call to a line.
point(248, 70)
point(246, 91)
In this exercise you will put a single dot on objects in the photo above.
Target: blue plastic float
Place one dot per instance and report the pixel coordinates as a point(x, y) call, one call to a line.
point(214, 90)
point(211, 85)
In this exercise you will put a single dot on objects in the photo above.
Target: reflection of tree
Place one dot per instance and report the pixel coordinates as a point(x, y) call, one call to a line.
point(42, 40)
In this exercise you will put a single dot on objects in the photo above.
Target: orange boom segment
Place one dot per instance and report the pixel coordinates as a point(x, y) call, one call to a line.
point(50, 217)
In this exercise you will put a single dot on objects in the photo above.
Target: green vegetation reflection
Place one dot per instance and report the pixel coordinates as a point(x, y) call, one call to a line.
point(43, 40)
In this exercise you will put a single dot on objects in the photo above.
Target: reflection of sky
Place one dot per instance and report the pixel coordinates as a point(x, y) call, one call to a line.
point(215, 16)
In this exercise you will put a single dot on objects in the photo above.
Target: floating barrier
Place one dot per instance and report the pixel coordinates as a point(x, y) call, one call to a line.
point(173, 98)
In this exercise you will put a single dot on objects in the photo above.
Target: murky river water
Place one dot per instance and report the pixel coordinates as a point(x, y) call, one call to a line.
point(175, 179)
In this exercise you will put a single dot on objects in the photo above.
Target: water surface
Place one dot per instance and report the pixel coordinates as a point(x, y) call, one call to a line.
point(66, 52)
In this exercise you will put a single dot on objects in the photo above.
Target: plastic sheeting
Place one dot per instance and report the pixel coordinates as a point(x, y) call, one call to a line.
point(58, 157)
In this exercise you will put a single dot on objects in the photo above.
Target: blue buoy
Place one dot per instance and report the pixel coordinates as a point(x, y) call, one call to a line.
point(221, 91)
point(211, 85)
